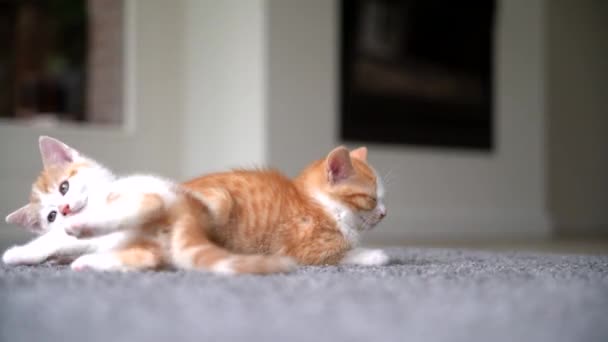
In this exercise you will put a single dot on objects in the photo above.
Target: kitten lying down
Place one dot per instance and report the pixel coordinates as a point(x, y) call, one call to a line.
point(80, 209)
point(154, 222)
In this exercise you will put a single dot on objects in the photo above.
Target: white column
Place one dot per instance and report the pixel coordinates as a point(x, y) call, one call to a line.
point(224, 68)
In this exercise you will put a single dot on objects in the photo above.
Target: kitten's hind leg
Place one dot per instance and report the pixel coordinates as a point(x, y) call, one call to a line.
point(141, 255)
point(218, 201)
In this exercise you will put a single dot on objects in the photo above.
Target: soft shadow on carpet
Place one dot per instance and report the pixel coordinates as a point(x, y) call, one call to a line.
point(425, 295)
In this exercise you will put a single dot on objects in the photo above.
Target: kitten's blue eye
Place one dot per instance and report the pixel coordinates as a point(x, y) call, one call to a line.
point(64, 187)
point(52, 215)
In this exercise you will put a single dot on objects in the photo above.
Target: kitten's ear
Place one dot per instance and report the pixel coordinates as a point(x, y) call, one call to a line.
point(359, 153)
point(338, 165)
point(55, 153)
point(26, 217)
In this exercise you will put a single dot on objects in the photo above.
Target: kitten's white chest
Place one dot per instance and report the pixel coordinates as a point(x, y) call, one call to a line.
point(346, 220)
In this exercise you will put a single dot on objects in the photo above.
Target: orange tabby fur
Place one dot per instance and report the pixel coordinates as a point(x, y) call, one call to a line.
point(265, 212)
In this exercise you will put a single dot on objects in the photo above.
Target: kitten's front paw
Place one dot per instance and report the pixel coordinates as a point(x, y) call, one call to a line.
point(78, 229)
point(366, 257)
point(19, 255)
point(96, 262)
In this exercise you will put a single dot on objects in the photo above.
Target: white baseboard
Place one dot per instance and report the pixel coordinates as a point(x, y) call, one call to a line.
point(462, 224)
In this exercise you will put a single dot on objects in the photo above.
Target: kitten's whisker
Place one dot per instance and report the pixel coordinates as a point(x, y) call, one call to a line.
point(388, 173)
point(365, 222)
point(388, 177)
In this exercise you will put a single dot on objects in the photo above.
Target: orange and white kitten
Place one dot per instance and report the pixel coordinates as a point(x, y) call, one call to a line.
point(315, 218)
point(152, 222)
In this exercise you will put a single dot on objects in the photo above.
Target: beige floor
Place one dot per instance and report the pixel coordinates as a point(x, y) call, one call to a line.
point(570, 246)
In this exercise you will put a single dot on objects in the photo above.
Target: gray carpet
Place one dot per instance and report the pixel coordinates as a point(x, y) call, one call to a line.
point(426, 295)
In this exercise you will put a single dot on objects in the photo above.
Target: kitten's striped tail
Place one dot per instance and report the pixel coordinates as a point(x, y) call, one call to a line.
point(218, 260)
point(191, 249)
point(210, 257)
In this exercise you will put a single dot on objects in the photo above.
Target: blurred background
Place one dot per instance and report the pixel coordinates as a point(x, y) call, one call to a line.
point(489, 121)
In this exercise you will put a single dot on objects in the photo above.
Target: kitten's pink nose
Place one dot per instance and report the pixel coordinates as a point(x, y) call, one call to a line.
point(382, 212)
point(64, 209)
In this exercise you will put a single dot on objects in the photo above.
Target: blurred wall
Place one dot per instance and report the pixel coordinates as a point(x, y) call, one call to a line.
point(218, 84)
point(259, 87)
point(150, 140)
point(577, 107)
point(432, 193)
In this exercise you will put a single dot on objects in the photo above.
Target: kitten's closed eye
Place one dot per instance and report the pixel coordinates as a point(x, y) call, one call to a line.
point(363, 202)
point(64, 187)
point(371, 203)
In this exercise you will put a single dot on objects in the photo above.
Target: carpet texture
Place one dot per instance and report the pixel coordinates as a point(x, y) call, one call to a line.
point(425, 295)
